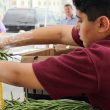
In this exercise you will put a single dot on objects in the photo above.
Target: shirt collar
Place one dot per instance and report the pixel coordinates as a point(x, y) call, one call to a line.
point(72, 17)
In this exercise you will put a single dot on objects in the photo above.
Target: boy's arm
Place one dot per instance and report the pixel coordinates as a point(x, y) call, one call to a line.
point(60, 34)
point(19, 74)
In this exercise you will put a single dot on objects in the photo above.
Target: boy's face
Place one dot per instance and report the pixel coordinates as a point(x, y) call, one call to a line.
point(87, 29)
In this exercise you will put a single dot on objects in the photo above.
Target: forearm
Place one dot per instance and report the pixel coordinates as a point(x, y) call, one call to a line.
point(19, 74)
point(16, 40)
point(46, 35)
point(60, 34)
point(6, 74)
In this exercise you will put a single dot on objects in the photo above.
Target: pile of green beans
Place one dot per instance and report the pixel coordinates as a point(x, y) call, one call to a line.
point(62, 104)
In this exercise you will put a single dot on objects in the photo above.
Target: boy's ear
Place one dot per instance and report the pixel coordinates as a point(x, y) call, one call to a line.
point(103, 24)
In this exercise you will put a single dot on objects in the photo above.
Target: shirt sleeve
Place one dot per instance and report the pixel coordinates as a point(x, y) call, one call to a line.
point(72, 74)
point(2, 27)
point(76, 37)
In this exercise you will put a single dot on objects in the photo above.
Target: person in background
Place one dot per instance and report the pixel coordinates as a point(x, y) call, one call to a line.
point(70, 18)
point(2, 27)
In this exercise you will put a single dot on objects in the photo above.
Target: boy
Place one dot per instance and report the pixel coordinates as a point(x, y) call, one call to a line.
point(83, 71)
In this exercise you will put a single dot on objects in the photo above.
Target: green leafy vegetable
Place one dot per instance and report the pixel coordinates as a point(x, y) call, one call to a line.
point(4, 55)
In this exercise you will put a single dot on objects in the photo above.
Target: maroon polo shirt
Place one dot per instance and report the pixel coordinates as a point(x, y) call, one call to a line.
point(82, 71)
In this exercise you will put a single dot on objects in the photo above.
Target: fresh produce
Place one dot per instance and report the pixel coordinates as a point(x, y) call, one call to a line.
point(4, 55)
point(62, 104)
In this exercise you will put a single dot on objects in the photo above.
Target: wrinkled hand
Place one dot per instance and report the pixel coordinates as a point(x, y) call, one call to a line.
point(3, 44)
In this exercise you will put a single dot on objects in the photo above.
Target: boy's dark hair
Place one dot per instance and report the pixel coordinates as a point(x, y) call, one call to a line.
point(93, 8)
point(68, 5)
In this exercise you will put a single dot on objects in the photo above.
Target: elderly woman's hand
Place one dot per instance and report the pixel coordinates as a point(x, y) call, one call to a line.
point(4, 44)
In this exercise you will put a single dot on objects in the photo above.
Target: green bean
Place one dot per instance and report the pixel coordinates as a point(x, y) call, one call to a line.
point(3, 55)
point(31, 104)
